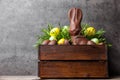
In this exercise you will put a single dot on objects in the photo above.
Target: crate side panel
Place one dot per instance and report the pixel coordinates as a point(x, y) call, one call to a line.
point(70, 69)
point(72, 53)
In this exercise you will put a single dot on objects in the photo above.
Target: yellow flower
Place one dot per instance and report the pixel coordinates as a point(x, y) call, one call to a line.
point(90, 31)
point(54, 32)
point(61, 41)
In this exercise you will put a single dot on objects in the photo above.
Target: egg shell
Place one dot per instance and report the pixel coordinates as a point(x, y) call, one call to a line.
point(66, 42)
point(90, 43)
point(83, 42)
point(53, 42)
point(45, 42)
point(101, 43)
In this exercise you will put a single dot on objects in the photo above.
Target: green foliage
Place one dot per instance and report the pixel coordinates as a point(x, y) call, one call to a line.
point(99, 34)
point(84, 27)
point(64, 33)
point(44, 36)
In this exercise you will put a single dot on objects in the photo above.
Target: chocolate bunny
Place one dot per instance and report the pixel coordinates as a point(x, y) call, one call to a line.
point(75, 17)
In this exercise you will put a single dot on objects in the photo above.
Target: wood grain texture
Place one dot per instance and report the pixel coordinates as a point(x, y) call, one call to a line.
point(73, 69)
point(70, 52)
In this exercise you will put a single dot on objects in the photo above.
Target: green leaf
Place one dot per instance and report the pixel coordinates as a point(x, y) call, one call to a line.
point(99, 33)
point(84, 26)
point(50, 26)
point(109, 45)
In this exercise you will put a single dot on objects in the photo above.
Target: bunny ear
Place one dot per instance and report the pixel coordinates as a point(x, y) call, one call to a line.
point(75, 14)
point(79, 14)
point(71, 13)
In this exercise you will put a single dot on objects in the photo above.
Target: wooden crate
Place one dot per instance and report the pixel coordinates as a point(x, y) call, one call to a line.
point(68, 61)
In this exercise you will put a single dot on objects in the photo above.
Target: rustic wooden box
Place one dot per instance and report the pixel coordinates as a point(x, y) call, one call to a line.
point(68, 61)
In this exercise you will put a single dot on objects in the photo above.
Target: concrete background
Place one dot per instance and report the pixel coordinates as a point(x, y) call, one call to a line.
point(21, 20)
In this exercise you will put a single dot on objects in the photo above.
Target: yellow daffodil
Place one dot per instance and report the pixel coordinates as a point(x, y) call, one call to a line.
point(90, 31)
point(54, 32)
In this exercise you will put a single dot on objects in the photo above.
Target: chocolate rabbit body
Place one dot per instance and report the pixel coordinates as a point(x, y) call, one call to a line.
point(75, 17)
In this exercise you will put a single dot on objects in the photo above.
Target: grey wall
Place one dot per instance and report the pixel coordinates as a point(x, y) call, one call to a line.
point(21, 20)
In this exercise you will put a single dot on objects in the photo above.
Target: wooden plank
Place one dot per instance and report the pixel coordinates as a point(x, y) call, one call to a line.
point(73, 69)
point(70, 52)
